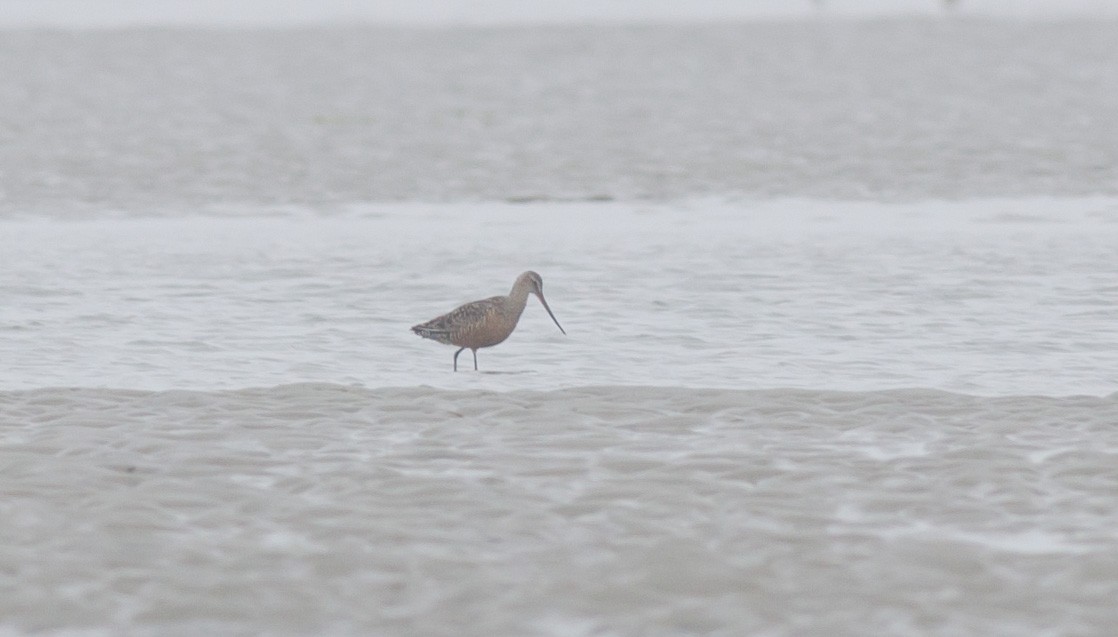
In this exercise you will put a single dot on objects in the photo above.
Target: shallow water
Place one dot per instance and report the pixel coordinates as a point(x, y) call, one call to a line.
point(988, 297)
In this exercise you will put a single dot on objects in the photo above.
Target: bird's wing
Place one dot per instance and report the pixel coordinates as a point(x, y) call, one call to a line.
point(461, 319)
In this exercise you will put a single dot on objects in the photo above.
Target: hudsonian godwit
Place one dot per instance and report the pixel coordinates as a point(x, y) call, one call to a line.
point(487, 322)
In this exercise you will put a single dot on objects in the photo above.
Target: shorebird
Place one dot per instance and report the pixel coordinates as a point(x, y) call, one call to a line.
point(487, 322)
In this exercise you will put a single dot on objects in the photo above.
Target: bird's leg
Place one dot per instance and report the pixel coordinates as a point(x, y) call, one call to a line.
point(456, 359)
point(475, 359)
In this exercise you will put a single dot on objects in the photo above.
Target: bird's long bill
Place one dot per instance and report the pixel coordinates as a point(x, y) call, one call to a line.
point(544, 301)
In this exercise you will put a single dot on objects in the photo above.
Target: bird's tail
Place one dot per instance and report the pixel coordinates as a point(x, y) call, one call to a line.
point(433, 333)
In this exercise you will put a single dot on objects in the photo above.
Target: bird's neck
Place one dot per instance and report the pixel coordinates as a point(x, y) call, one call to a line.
point(518, 298)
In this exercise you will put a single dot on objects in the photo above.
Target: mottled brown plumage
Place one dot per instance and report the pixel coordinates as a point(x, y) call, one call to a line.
point(487, 322)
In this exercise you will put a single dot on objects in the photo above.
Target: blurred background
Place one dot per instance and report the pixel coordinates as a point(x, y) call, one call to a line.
point(110, 13)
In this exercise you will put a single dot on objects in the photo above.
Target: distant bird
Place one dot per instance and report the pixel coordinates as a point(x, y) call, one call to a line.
point(487, 322)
